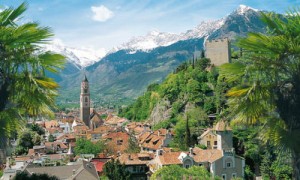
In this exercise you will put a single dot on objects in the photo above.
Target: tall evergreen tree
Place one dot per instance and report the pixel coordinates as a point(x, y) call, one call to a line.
point(187, 133)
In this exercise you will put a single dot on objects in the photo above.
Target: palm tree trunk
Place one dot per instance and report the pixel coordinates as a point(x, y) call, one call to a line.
point(4, 95)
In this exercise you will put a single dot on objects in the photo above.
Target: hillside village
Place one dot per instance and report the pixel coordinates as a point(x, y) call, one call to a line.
point(152, 150)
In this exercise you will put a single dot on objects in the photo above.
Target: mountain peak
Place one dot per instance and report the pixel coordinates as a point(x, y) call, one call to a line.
point(154, 33)
point(242, 9)
point(80, 56)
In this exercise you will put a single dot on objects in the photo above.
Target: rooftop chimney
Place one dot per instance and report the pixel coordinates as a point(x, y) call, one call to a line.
point(191, 151)
point(159, 152)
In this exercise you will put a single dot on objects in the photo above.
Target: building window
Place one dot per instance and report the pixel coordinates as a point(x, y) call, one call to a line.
point(215, 143)
point(119, 142)
point(86, 99)
point(233, 175)
point(200, 164)
point(187, 166)
point(208, 143)
point(228, 164)
point(224, 176)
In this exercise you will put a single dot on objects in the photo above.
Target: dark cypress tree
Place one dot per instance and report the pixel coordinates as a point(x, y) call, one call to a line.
point(187, 133)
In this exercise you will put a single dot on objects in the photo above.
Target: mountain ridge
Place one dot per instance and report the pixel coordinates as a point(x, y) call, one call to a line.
point(125, 74)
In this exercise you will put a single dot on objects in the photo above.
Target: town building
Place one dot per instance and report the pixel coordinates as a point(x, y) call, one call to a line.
point(219, 159)
point(218, 137)
point(152, 141)
point(117, 142)
point(84, 170)
point(136, 164)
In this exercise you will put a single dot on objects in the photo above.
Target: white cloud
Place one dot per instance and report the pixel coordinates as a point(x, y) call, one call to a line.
point(101, 13)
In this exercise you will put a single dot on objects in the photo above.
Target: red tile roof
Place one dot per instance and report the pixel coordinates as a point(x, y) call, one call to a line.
point(22, 158)
point(112, 140)
point(207, 155)
point(153, 140)
point(66, 136)
point(136, 158)
point(98, 165)
point(168, 158)
point(55, 144)
point(52, 123)
point(54, 130)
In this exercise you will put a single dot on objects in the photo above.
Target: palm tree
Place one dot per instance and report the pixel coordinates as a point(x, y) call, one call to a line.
point(25, 90)
point(267, 78)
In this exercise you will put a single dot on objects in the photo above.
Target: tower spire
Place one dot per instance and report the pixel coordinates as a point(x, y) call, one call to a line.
point(85, 78)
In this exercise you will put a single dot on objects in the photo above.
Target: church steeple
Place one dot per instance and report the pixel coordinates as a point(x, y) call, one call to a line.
point(85, 101)
point(85, 78)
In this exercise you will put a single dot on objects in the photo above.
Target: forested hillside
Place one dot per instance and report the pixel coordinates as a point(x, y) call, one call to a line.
point(190, 85)
point(187, 97)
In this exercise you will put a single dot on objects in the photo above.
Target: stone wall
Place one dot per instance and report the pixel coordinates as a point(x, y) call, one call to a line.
point(218, 51)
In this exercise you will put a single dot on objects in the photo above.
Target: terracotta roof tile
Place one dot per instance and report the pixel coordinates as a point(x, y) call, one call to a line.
point(136, 158)
point(103, 129)
point(54, 130)
point(207, 155)
point(22, 158)
point(153, 142)
point(52, 123)
point(168, 158)
point(117, 141)
point(66, 136)
point(55, 144)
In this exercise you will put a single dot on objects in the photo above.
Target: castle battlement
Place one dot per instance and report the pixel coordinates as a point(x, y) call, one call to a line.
point(217, 40)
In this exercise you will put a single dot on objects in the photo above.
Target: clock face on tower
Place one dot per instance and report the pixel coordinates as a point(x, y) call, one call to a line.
point(85, 85)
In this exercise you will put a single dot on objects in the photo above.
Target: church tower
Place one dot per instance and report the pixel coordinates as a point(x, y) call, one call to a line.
point(85, 102)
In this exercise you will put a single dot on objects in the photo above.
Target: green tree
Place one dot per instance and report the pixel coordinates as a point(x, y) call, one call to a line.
point(25, 90)
point(133, 146)
point(187, 133)
point(37, 128)
point(24, 175)
point(24, 142)
point(51, 138)
point(176, 172)
point(268, 88)
point(114, 170)
point(84, 146)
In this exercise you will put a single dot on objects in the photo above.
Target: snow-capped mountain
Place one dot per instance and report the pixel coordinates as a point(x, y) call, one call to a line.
point(156, 39)
point(152, 40)
point(242, 9)
point(81, 57)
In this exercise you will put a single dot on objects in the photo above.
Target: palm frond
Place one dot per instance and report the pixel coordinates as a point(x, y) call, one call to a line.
point(232, 71)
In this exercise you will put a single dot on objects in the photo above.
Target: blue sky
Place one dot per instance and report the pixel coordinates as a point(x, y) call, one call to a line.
point(107, 23)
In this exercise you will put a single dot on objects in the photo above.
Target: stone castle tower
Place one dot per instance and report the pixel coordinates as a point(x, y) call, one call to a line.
point(218, 51)
point(85, 102)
